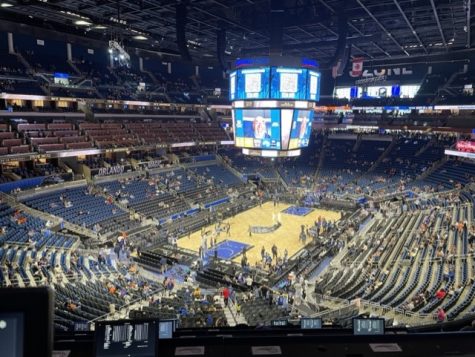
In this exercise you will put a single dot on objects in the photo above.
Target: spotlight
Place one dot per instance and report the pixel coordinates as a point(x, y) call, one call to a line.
point(120, 53)
point(82, 23)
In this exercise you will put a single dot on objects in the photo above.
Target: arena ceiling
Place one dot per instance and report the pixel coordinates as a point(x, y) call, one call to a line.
point(375, 28)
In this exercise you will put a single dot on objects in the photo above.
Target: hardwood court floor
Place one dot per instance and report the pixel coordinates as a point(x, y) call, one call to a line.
point(286, 237)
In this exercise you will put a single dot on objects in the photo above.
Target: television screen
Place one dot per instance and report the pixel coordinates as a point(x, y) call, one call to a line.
point(81, 326)
point(166, 328)
point(232, 85)
point(11, 334)
point(286, 126)
point(310, 323)
point(278, 323)
point(288, 83)
point(251, 83)
point(313, 86)
point(26, 322)
point(284, 83)
point(368, 326)
point(257, 128)
point(61, 78)
point(301, 129)
point(126, 338)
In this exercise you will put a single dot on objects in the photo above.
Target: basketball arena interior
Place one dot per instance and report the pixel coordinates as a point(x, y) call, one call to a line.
point(237, 178)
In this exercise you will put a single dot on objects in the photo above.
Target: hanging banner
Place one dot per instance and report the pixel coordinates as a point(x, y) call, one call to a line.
point(357, 68)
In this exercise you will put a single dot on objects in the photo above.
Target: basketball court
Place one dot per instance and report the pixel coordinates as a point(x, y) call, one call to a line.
point(285, 237)
point(227, 249)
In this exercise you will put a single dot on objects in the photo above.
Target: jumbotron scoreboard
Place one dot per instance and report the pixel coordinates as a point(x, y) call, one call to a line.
point(272, 104)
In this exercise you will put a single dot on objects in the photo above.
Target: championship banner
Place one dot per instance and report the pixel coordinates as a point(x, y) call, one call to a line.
point(357, 68)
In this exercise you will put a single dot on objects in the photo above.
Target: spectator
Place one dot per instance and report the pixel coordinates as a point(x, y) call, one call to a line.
point(249, 281)
point(274, 252)
point(209, 320)
point(440, 295)
point(226, 294)
point(441, 315)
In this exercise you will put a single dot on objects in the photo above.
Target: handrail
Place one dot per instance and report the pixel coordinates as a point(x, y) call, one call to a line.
point(375, 306)
point(231, 303)
point(335, 312)
point(50, 188)
point(124, 306)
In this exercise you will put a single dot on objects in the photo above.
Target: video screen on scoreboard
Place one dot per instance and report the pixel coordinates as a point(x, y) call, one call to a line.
point(313, 88)
point(301, 129)
point(232, 85)
point(288, 83)
point(257, 128)
point(252, 83)
point(286, 119)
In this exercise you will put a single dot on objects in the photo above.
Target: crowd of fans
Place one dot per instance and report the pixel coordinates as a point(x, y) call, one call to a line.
point(243, 288)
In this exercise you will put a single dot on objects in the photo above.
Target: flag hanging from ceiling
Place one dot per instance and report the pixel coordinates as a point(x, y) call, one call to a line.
point(357, 68)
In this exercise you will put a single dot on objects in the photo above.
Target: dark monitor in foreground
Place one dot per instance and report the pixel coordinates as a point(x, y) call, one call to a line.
point(166, 329)
point(11, 334)
point(310, 323)
point(368, 326)
point(26, 322)
point(126, 338)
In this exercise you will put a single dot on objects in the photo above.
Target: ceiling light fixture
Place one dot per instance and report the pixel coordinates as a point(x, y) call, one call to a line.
point(140, 37)
point(82, 23)
point(6, 4)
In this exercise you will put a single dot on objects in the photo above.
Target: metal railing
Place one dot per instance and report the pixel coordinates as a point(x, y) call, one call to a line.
point(124, 306)
point(380, 309)
point(344, 311)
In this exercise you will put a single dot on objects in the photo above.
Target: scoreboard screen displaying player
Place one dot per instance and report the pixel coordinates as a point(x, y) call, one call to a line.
point(288, 83)
point(257, 128)
point(301, 129)
point(272, 129)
